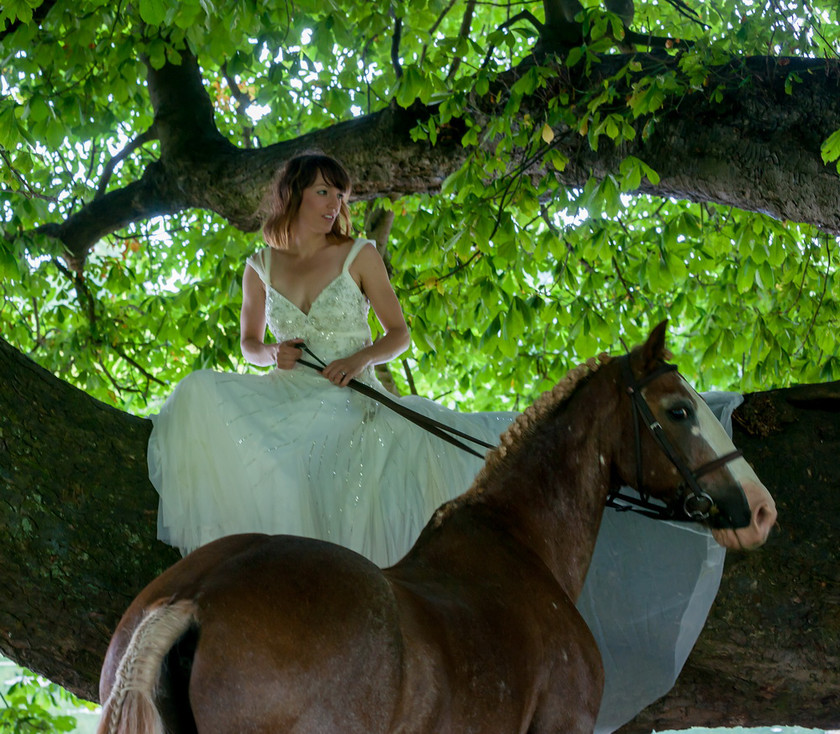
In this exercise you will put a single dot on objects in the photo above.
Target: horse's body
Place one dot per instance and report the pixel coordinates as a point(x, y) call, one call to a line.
point(475, 630)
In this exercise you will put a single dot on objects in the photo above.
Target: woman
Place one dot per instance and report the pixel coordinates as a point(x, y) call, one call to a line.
point(285, 452)
point(308, 229)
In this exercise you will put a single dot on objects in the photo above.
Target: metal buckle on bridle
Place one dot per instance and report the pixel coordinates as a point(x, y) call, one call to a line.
point(698, 505)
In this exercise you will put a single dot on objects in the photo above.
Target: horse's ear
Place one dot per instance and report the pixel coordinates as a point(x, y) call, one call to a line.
point(653, 350)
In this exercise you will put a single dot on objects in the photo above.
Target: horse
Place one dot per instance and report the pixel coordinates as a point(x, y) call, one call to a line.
point(475, 629)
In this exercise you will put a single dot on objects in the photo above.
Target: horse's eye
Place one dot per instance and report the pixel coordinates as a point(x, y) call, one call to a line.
point(680, 413)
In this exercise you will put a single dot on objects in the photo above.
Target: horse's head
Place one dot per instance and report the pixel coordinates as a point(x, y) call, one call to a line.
point(679, 453)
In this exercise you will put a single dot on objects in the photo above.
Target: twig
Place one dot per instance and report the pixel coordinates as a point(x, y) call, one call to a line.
point(144, 137)
point(521, 15)
point(94, 149)
point(29, 192)
point(686, 11)
point(822, 295)
point(454, 271)
point(409, 377)
point(114, 383)
point(395, 44)
point(463, 32)
point(86, 299)
point(804, 275)
point(621, 277)
point(817, 30)
point(137, 366)
point(37, 315)
point(434, 27)
point(243, 101)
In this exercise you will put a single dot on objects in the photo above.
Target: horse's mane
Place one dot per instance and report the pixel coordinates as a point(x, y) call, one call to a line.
point(522, 427)
point(525, 422)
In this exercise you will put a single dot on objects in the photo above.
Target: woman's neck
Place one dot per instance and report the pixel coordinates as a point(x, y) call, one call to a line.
point(305, 244)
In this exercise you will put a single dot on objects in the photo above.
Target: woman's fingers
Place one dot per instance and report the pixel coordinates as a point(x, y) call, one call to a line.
point(287, 353)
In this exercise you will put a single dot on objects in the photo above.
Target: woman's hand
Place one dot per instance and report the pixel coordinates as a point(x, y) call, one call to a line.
point(341, 371)
point(287, 353)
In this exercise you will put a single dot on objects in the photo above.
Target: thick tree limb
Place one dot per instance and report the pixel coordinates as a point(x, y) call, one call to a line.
point(757, 149)
point(79, 520)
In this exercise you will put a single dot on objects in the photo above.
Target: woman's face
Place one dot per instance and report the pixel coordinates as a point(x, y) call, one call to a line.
point(319, 206)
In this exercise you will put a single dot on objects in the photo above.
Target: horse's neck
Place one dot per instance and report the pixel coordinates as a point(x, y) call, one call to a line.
point(551, 492)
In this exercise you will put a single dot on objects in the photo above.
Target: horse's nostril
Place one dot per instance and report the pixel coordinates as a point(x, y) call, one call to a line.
point(765, 517)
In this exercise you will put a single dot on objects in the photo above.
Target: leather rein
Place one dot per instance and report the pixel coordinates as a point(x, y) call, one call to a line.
point(697, 505)
point(447, 433)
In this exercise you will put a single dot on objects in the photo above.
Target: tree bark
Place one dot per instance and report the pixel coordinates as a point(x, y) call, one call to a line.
point(78, 519)
point(79, 526)
point(757, 147)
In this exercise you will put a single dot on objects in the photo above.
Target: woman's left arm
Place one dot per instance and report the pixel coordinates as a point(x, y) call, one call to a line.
point(369, 272)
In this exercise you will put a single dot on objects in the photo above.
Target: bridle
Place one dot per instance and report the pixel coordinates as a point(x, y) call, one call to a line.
point(697, 505)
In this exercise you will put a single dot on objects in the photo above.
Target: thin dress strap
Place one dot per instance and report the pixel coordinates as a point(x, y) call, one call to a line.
point(355, 250)
point(260, 261)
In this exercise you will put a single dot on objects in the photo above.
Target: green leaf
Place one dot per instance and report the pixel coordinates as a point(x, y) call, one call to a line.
point(830, 149)
point(410, 86)
point(9, 131)
point(631, 173)
point(152, 12)
point(746, 277)
point(157, 53)
point(574, 56)
point(19, 10)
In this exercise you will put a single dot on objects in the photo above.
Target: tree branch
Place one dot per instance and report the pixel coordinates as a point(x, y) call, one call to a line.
point(108, 171)
point(79, 543)
point(463, 32)
point(243, 101)
point(28, 191)
point(395, 44)
point(704, 150)
point(443, 13)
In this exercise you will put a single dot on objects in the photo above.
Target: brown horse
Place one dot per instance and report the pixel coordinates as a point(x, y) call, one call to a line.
point(475, 629)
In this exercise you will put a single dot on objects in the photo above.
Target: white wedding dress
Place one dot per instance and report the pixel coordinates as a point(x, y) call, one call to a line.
point(288, 452)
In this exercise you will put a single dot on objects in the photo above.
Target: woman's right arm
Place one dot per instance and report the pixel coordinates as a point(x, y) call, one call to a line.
point(252, 328)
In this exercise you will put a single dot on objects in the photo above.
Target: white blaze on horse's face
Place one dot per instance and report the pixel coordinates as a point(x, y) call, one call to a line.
point(762, 506)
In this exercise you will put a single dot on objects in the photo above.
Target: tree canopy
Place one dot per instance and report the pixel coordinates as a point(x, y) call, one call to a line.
point(551, 189)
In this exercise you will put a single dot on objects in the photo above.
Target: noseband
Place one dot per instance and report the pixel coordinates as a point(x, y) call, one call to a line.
point(697, 505)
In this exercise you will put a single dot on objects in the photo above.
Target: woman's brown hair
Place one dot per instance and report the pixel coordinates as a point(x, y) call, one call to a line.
point(284, 196)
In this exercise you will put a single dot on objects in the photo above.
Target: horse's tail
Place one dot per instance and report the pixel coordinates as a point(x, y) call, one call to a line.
point(130, 708)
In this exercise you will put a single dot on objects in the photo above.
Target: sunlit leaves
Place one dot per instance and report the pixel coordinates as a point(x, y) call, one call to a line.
point(13, 10)
point(32, 704)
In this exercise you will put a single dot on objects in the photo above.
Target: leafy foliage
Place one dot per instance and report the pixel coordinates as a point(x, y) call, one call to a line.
point(506, 277)
point(30, 704)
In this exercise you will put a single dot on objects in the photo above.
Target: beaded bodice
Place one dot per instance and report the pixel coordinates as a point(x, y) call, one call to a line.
point(337, 322)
